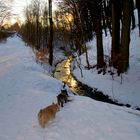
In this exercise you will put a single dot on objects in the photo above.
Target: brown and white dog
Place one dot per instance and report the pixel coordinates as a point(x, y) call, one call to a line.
point(47, 114)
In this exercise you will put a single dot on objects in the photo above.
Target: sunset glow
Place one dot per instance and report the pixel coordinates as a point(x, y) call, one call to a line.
point(18, 9)
point(13, 20)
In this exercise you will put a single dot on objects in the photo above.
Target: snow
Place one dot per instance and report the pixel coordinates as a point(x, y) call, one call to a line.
point(126, 92)
point(25, 88)
point(87, 119)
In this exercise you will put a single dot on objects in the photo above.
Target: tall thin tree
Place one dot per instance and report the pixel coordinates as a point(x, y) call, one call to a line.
point(125, 36)
point(116, 16)
point(50, 42)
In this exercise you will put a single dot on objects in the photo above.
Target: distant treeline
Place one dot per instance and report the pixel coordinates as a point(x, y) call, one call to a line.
point(5, 34)
point(77, 21)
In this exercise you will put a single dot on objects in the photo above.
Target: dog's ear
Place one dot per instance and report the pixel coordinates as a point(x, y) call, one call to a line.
point(40, 110)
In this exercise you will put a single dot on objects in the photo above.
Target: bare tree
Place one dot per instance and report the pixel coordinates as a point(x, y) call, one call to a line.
point(125, 36)
point(5, 10)
point(45, 26)
point(50, 43)
point(116, 17)
point(33, 28)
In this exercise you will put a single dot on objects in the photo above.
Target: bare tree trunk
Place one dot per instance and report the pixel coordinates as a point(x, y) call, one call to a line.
point(37, 33)
point(138, 9)
point(82, 40)
point(116, 14)
point(139, 20)
point(50, 43)
point(125, 36)
point(99, 40)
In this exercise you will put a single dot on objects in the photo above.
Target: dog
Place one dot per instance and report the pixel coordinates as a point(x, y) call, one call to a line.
point(61, 99)
point(47, 114)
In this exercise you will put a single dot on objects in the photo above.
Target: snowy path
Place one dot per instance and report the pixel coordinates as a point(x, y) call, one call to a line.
point(25, 88)
point(20, 97)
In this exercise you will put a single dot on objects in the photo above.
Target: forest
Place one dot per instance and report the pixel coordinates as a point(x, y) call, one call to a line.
point(77, 21)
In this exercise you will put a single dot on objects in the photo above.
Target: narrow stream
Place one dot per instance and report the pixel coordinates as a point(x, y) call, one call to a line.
point(63, 72)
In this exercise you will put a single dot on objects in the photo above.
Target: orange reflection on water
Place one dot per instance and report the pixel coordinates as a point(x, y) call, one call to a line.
point(63, 73)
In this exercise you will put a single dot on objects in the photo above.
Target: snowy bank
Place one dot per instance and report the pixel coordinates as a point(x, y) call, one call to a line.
point(25, 88)
point(126, 92)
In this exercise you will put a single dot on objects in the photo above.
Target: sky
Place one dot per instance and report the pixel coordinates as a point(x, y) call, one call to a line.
point(18, 7)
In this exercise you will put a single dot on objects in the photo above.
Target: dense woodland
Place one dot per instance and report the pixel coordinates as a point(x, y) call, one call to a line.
point(77, 21)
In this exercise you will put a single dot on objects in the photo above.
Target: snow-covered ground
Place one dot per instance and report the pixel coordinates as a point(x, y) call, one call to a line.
point(25, 88)
point(126, 92)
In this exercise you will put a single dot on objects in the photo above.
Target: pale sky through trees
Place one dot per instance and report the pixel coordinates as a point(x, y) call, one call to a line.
point(18, 7)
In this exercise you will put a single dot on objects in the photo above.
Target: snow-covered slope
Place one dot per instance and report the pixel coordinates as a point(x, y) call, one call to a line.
point(126, 92)
point(25, 88)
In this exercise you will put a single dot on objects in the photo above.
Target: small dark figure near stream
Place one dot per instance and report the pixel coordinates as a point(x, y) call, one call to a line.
point(64, 89)
point(61, 99)
point(63, 96)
